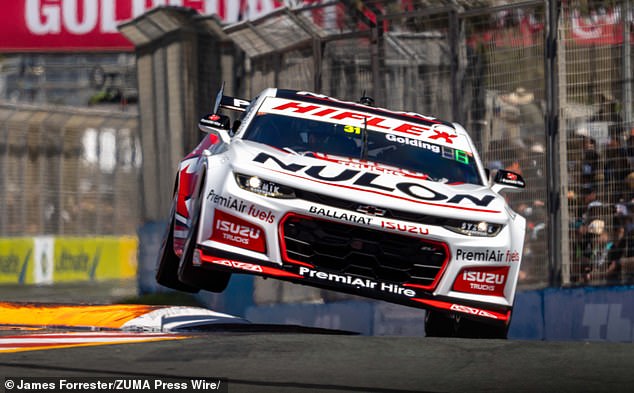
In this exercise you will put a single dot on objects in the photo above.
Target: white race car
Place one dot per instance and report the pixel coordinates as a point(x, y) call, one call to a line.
point(349, 197)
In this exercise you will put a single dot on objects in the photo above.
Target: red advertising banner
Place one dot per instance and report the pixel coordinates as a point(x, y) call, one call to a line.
point(91, 25)
point(599, 28)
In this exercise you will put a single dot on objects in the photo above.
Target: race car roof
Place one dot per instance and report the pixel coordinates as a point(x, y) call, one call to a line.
point(330, 101)
point(237, 104)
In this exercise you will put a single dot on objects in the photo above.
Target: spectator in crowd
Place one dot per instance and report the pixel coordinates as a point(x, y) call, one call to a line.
point(616, 167)
point(601, 196)
point(629, 146)
point(591, 232)
point(623, 251)
point(589, 162)
point(608, 110)
point(628, 196)
point(595, 240)
point(586, 196)
point(601, 234)
point(536, 237)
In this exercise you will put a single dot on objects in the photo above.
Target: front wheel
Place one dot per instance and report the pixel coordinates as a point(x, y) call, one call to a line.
point(196, 276)
point(469, 328)
point(167, 265)
point(439, 324)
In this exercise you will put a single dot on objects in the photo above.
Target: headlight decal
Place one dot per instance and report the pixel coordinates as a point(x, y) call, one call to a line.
point(264, 187)
point(473, 228)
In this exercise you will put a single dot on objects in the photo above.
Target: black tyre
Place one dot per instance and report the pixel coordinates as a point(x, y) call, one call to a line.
point(209, 280)
point(448, 325)
point(469, 328)
point(439, 324)
point(167, 265)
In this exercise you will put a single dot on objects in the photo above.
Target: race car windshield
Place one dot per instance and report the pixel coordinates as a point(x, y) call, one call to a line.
point(306, 136)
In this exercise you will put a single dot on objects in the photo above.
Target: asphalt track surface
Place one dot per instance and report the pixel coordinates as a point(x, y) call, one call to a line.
point(260, 358)
point(260, 361)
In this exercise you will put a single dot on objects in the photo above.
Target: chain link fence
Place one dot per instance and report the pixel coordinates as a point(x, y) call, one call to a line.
point(503, 85)
point(68, 171)
point(595, 61)
point(487, 68)
point(69, 144)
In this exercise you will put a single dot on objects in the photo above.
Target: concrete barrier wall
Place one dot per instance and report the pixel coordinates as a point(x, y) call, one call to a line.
point(589, 314)
point(150, 237)
point(48, 259)
point(593, 314)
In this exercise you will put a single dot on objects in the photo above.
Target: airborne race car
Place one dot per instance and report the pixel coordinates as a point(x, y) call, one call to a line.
point(340, 195)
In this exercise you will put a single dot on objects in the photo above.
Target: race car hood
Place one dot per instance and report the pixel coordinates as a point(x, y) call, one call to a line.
point(366, 182)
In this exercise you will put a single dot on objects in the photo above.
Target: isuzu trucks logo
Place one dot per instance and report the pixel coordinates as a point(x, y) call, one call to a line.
point(485, 280)
point(235, 231)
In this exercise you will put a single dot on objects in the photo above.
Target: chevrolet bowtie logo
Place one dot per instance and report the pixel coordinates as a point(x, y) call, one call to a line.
point(371, 210)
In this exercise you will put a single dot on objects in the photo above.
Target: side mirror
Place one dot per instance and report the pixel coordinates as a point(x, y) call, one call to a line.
point(217, 124)
point(507, 181)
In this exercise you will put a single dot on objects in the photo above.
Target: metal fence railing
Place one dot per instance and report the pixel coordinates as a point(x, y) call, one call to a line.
point(70, 80)
point(68, 171)
point(69, 144)
point(595, 50)
point(491, 69)
point(504, 83)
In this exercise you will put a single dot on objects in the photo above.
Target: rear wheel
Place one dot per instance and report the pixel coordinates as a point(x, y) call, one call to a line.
point(196, 276)
point(167, 269)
